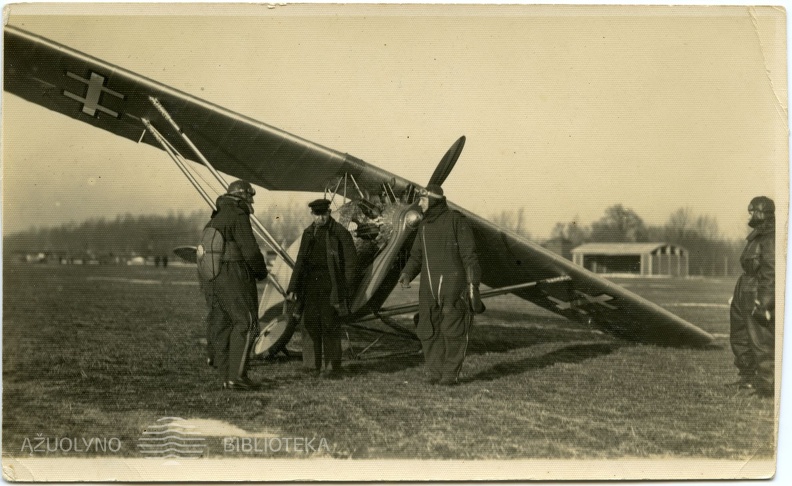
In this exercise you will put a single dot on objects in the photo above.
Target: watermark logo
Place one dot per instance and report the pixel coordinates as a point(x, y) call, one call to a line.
point(172, 437)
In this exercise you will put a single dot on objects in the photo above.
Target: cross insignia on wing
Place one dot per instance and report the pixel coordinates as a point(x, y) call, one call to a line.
point(93, 95)
point(584, 299)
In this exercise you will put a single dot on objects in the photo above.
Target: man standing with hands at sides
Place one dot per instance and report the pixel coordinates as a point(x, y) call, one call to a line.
point(444, 251)
point(321, 283)
point(753, 304)
point(229, 263)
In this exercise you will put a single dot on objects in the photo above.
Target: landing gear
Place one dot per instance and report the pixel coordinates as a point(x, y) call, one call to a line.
point(275, 335)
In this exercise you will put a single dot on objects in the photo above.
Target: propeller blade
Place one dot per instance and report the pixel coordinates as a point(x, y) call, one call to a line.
point(447, 163)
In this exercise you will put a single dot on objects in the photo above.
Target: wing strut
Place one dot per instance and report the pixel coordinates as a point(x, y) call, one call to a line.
point(181, 163)
point(177, 158)
point(266, 236)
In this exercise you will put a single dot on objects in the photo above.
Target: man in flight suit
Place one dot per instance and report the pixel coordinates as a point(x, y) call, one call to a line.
point(753, 304)
point(444, 251)
point(324, 270)
point(231, 295)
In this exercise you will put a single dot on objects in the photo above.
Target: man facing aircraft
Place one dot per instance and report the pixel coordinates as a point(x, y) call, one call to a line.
point(229, 263)
point(321, 282)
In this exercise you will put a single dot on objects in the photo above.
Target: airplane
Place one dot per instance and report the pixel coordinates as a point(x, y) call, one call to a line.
point(379, 208)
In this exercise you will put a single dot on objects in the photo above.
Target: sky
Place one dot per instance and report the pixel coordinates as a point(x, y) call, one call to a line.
point(566, 110)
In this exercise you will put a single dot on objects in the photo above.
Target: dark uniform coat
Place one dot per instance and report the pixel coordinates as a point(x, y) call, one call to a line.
point(752, 335)
point(444, 251)
point(232, 297)
point(322, 277)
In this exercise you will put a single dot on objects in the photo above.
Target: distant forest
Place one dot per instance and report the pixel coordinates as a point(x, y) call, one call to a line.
point(710, 254)
point(146, 235)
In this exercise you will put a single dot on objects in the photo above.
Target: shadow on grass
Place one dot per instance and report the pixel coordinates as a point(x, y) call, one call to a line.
point(409, 357)
point(370, 352)
point(569, 354)
point(533, 314)
point(393, 354)
point(389, 354)
point(500, 339)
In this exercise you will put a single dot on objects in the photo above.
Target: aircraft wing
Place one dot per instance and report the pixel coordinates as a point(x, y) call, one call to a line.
point(116, 100)
point(572, 291)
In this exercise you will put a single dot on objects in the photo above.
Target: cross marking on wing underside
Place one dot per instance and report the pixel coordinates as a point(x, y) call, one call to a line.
point(93, 94)
point(583, 300)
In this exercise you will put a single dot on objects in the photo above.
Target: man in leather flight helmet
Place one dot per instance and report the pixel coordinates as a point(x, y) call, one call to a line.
point(444, 253)
point(752, 312)
point(231, 296)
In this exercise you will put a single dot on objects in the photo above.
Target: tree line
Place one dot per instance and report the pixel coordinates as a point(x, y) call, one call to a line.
point(125, 236)
point(128, 236)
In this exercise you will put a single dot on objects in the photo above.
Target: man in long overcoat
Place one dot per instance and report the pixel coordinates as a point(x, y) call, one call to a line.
point(324, 270)
point(444, 251)
point(753, 304)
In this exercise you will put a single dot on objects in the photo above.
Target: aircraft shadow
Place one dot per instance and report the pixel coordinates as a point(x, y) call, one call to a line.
point(394, 354)
point(389, 355)
point(519, 316)
point(411, 357)
point(569, 354)
point(490, 338)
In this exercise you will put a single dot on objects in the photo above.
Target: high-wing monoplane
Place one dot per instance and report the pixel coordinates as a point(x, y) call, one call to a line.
point(378, 207)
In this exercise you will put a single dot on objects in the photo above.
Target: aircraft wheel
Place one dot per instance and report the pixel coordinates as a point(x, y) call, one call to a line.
point(275, 335)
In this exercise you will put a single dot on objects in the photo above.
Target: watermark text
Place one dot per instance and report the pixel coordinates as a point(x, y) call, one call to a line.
point(275, 445)
point(52, 445)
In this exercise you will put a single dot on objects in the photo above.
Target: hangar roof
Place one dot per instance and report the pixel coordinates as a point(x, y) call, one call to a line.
point(622, 248)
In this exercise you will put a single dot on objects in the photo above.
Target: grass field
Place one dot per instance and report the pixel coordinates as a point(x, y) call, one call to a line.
point(107, 351)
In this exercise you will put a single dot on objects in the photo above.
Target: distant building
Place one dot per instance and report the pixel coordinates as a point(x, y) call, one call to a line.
point(138, 260)
point(648, 259)
point(39, 257)
point(560, 246)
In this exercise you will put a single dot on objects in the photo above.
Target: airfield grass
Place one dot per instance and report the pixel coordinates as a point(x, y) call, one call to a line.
point(106, 351)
